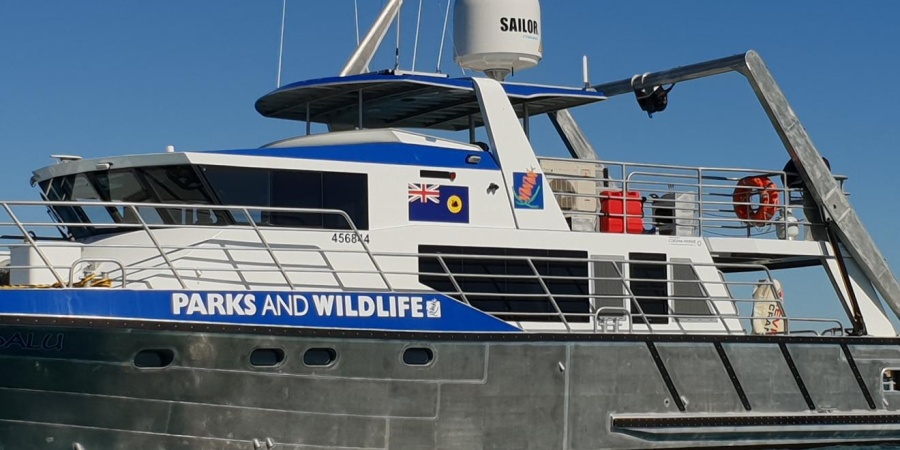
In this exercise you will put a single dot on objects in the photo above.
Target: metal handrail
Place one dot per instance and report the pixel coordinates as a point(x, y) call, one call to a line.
point(707, 184)
point(77, 262)
point(542, 281)
point(143, 225)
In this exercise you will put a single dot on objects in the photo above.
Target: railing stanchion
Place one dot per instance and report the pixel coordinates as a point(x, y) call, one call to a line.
point(34, 245)
point(162, 251)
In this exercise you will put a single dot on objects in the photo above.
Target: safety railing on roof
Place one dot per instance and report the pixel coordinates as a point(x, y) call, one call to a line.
point(583, 295)
point(679, 200)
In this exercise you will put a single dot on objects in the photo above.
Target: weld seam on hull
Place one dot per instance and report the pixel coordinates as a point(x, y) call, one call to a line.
point(797, 378)
point(673, 391)
point(859, 379)
point(733, 376)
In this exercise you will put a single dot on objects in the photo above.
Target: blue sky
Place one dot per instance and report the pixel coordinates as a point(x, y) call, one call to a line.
point(126, 76)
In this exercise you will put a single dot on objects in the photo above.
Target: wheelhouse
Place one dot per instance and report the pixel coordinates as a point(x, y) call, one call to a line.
point(197, 185)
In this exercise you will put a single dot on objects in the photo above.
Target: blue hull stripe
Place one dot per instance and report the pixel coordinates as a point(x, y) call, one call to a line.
point(378, 153)
point(340, 310)
point(516, 90)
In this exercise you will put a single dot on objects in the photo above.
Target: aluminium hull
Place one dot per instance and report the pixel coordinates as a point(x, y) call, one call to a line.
point(65, 382)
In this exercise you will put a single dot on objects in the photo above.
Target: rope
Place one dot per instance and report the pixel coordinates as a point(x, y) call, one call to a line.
point(89, 281)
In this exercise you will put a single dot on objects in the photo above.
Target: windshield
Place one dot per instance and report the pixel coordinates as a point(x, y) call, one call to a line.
point(207, 185)
point(164, 184)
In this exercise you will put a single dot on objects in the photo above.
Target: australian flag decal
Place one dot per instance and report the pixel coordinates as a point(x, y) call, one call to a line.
point(437, 203)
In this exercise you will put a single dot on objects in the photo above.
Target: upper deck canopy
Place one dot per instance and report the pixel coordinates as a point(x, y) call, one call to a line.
point(407, 101)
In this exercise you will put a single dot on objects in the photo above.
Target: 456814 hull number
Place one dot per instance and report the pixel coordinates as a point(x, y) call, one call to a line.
point(350, 238)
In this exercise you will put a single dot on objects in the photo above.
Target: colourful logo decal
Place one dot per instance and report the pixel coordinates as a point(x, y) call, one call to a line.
point(527, 187)
point(437, 203)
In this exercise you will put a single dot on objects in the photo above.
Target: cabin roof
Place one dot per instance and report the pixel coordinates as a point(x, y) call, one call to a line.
point(408, 101)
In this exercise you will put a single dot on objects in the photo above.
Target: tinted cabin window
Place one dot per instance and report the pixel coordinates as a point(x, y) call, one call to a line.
point(609, 287)
point(182, 184)
point(508, 287)
point(690, 298)
point(649, 280)
point(178, 184)
point(294, 189)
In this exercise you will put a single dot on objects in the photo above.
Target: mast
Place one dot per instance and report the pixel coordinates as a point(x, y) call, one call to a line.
point(366, 50)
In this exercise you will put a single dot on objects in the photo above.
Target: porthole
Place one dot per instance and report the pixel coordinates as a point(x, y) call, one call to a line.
point(319, 356)
point(154, 359)
point(418, 356)
point(266, 357)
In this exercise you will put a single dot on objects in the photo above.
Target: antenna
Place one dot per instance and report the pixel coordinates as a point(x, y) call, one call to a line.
point(356, 17)
point(585, 73)
point(397, 49)
point(281, 45)
point(416, 45)
point(443, 37)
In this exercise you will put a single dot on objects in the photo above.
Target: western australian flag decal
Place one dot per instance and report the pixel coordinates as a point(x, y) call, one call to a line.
point(437, 203)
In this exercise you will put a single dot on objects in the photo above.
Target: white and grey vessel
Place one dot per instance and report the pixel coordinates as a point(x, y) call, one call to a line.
point(374, 287)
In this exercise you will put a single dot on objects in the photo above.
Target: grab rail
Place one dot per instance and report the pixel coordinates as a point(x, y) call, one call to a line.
point(722, 309)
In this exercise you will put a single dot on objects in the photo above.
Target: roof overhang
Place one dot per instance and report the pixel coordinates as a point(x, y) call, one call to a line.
point(408, 101)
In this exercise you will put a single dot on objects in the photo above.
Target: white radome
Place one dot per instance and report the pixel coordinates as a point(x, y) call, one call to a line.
point(497, 37)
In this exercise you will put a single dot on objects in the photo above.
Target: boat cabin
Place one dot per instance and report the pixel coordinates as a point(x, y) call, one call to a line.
point(542, 243)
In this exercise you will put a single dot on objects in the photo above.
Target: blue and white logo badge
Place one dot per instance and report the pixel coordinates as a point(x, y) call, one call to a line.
point(433, 308)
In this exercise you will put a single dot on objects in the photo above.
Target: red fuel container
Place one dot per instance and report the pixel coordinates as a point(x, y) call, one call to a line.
point(614, 205)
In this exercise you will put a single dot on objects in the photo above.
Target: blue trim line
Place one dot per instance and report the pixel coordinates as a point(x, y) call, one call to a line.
point(516, 90)
point(377, 153)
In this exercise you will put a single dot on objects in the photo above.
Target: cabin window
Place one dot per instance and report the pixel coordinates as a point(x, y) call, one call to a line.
point(177, 184)
point(609, 285)
point(499, 281)
point(689, 296)
point(347, 192)
point(649, 286)
point(182, 184)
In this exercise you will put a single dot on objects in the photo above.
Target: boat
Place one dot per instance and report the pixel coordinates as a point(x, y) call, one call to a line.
point(378, 287)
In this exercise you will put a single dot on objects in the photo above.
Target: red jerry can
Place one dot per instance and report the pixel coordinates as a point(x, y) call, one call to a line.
point(620, 208)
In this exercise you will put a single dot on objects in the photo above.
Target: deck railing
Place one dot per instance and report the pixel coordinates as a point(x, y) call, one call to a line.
point(585, 295)
point(679, 200)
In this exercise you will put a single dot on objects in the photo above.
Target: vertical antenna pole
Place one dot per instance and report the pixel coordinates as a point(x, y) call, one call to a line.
point(443, 38)
point(397, 49)
point(584, 72)
point(281, 45)
point(360, 106)
point(356, 19)
point(308, 120)
point(416, 44)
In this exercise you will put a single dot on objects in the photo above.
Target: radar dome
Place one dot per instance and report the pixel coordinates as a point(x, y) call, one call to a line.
point(497, 37)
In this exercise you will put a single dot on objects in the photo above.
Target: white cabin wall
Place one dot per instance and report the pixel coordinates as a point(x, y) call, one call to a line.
point(515, 155)
point(388, 186)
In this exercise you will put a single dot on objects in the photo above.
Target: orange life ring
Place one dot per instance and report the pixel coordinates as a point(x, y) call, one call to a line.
point(768, 199)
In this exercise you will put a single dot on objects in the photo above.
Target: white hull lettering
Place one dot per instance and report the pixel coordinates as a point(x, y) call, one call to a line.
point(298, 305)
point(212, 304)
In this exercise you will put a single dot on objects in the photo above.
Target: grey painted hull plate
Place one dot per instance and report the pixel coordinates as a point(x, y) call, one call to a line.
point(66, 386)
